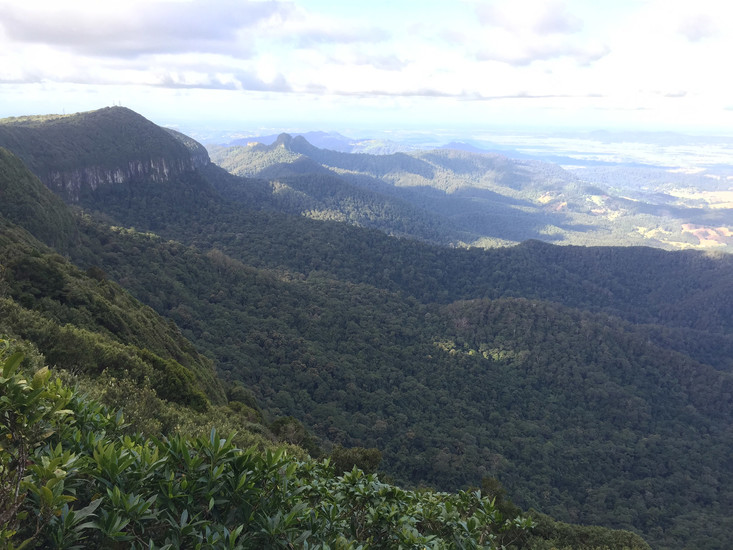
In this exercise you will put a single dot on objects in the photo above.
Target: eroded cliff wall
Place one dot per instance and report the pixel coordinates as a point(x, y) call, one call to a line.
point(76, 153)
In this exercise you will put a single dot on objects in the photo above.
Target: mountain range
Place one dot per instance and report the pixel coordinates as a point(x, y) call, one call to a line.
point(464, 197)
point(348, 293)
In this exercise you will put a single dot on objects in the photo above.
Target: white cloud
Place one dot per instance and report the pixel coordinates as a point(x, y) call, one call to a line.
point(306, 29)
point(555, 18)
point(527, 31)
point(134, 28)
point(697, 27)
point(533, 16)
point(526, 51)
point(543, 58)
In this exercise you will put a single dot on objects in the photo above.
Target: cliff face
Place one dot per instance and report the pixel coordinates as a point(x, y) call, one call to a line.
point(69, 183)
point(111, 146)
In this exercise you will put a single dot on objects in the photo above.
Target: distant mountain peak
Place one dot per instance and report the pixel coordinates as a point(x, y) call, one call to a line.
point(294, 144)
point(283, 140)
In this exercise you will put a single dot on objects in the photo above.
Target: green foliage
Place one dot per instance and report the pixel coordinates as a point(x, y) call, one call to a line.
point(91, 353)
point(26, 202)
point(76, 483)
point(291, 430)
point(173, 382)
point(75, 153)
point(147, 414)
point(30, 412)
point(76, 320)
point(549, 534)
point(345, 459)
point(480, 388)
point(593, 382)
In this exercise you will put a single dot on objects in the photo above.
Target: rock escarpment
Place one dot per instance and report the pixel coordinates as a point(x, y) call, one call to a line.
point(70, 183)
point(78, 153)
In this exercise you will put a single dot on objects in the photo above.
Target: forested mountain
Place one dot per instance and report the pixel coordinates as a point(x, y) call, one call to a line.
point(486, 199)
point(75, 154)
point(595, 384)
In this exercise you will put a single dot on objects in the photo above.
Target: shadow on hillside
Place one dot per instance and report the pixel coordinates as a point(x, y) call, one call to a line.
point(487, 213)
point(299, 167)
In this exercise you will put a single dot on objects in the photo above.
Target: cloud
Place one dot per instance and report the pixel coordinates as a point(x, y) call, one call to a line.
point(526, 53)
point(307, 29)
point(174, 80)
point(381, 62)
point(171, 44)
point(306, 35)
point(248, 81)
point(522, 32)
point(697, 27)
point(535, 16)
point(461, 96)
point(136, 28)
point(200, 81)
point(556, 19)
point(180, 76)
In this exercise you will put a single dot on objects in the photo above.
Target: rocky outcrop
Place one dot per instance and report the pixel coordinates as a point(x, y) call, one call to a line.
point(75, 154)
point(70, 183)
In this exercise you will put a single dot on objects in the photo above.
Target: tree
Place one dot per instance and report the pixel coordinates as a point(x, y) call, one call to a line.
point(345, 459)
point(30, 412)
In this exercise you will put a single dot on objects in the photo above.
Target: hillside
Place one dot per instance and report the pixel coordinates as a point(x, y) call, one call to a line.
point(75, 155)
point(528, 404)
point(96, 333)
point(100, 486)
point(75, 318)
point(485, 199)
point(26, 201)
point(297, 184)
point(594, 383)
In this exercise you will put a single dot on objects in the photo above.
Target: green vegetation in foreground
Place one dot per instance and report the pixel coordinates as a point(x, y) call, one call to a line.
point(71, 478)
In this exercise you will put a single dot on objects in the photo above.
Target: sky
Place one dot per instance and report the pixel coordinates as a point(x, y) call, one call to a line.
point(389, 65)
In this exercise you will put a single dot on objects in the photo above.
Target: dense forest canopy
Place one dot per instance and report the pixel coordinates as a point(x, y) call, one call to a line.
point(594, 383)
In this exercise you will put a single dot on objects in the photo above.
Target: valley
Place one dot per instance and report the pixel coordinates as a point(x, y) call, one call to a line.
point(551, 189)
point(480, 320)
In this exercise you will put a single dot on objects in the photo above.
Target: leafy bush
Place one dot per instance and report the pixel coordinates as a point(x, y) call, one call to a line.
point(69, 478)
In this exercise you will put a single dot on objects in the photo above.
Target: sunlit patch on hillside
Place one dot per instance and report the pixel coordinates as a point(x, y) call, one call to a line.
point(711, 199)
point(652, 232)
point(544, 199)
point(709, 236)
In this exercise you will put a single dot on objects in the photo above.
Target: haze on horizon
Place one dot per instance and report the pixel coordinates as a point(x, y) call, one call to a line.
point(379, 65)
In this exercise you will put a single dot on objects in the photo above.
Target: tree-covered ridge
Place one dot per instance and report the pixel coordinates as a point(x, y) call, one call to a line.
point(120, 349)
point(447, 405)
point(78, 153)
point(298, 185)
point(687, 288)
point(485, 199)
point(76, 318)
